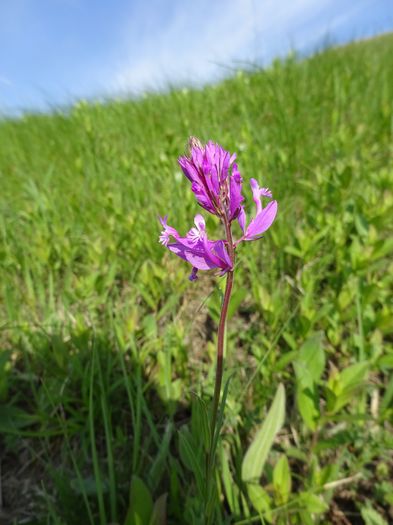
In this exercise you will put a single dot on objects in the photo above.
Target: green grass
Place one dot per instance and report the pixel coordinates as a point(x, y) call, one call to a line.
point(104, 340)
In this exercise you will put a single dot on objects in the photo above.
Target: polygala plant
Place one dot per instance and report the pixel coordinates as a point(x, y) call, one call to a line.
point(217, 185)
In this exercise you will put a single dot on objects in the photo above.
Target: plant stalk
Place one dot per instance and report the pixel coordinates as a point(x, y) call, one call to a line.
point(220, 353)
point(219, 372)
point(221, 339)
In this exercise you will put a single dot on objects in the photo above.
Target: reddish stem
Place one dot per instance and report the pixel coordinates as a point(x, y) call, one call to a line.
point(221, 337)
point(220, 349)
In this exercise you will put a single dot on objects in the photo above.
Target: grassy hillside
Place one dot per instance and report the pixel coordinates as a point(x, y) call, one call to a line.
point(104, 340)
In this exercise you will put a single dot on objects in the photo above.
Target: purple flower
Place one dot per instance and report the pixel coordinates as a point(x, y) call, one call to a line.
point(217, 185)
point(264, 216)
point(215, 178)
point(196, 248)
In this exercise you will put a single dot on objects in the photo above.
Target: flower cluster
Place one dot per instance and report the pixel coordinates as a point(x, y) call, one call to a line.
point(217, 185)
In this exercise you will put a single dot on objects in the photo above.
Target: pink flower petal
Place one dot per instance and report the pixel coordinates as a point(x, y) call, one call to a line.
point(199, 261)
point(242, 219)
point(262, 221)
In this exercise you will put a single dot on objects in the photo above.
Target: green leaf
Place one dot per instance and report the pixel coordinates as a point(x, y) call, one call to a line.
point(282, 481)
point(158, 516)
point(293, 251)
point(306, 518)
point(150, 326)
point(382, 249)
point(386, 361)
point(171, 303)
point(13, 418)
point(313, 503)
point(285, 360)
point(220, 415)
point(345, 385)
point(388, 396)
point(200, 421)
point(307, 403)
point(190, 454)
point(296, 453)
point(141, 503)
point(354, 375)
point(158, 466)
point(230, 488)
point(310, 363)
point(371, 516)
point(86, 486)
point(309, 367)
point(260, 500)
point(236, 299)
point(256, 455)
point(5, 356)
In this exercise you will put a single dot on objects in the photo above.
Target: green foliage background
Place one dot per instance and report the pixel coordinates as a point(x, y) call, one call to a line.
point(104, 340)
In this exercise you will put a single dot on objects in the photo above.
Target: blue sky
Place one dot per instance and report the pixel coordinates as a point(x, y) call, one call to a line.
point(53, 52)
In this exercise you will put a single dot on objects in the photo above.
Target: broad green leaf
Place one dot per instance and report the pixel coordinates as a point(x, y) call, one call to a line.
point(256, 455)
point(141, 504)
point(331, 398)
point(188, 450)
point(345, 385)
point(313, 503)
point(306, 518)
point(309, 367)
point(291, 341)
point(307, 403)
point(372, 517)
point(282, 481)
point(158, 516)
point(328, 473)
point(310, 363)
point(354, 375)
point(260, 500)
point(386, 361)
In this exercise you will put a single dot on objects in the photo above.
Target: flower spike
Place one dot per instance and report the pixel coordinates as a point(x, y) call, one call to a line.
point(217, 185)
point(215, 178)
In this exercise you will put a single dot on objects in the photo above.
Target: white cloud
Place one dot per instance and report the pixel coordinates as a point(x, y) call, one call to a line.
point(196, 39)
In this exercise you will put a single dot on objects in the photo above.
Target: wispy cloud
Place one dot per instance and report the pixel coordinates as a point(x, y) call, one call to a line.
point(198, 37)
point(56, 51)
point(5, 81)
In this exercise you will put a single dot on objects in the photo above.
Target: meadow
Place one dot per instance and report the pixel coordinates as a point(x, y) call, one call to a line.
point(108, 350)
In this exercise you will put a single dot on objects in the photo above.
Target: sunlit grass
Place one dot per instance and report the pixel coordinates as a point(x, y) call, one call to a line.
point(104, 339)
